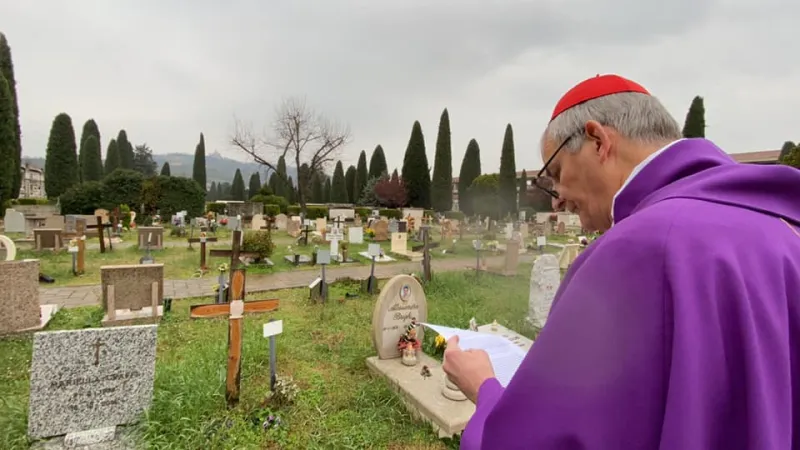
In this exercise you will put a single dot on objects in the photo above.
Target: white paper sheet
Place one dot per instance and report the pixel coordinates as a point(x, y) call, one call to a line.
point(505, 356)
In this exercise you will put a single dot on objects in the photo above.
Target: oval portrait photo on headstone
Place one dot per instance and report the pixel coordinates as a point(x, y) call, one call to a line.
point(405, 292)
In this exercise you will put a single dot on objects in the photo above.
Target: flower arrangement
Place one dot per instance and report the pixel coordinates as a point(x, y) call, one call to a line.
point(222, 268)
point(285, 392)
point(369, 232)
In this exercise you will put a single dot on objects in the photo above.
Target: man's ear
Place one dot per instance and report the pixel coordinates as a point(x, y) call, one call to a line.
point(600, 138)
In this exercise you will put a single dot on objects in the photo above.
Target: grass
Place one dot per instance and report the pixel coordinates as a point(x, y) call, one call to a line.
point(323, 347)
point(182, 263)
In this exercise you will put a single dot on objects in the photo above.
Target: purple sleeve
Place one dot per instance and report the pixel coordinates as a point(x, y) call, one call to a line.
point(594, 378)
point(488, 395)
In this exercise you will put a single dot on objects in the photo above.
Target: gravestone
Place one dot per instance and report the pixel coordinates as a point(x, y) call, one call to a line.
point(86, 382)
point(399, 243)
point(48, 239)
point(132, 294)
point(281, 221)
point(381, 229)
point(545, 279)
point(569, 253)
point(14, 222)
point(344, 213)
point(155, 235)
point(56, 222)
point(19, 301)
point(258, 222)
point(322, 225)
point(401, 300)
point(103, 213)
point(355, 235)
point(561, 228)
point(334, 236)
point(293, 228)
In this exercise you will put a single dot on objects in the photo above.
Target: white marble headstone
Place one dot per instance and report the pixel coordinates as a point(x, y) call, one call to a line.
point(356, 235)
point(545, 279)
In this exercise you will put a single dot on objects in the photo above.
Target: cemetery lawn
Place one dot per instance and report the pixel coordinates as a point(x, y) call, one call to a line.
point(181, 263)
point(340, 404)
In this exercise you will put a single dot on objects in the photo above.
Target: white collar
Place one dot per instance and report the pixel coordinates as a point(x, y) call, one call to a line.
point(639, 167)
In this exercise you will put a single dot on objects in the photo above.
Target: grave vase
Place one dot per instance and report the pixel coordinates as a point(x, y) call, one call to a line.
point(450, 391)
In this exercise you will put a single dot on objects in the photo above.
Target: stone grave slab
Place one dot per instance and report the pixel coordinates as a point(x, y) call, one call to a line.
point(14, 222)
point(54, 222)
point(344, 213)
point(379, 259)
point(132, 294)
point(381, 229)
point(89, 380)
point(281, 221)
point(545, 280)
point(303, 259)
point(569, 253)
point(355, 235)
point(20, 310)
point(155, 235)
point(48, 238)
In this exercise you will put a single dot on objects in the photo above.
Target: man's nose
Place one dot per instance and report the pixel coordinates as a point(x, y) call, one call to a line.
point(557, 203)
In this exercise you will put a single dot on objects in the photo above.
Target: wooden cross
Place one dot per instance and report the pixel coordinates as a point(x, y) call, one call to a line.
point(234, 252)
point(426, 255)
point(306, 229)
point(202, 240)
point(235, 311)
point(338, 221)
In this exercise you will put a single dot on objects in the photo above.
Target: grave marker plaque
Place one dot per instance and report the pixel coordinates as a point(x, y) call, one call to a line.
point(84, 380)
point(401, 300)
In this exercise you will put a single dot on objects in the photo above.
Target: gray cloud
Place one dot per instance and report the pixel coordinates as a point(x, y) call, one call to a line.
point(165, 72)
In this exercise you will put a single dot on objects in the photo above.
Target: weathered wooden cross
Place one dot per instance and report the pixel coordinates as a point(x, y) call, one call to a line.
point(235, 310)
point(306, 229)
point(202, 240)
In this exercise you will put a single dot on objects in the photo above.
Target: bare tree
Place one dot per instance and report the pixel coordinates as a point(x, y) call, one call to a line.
point(299, 135)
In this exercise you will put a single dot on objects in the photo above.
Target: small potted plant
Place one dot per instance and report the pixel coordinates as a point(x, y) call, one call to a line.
point(344, 246)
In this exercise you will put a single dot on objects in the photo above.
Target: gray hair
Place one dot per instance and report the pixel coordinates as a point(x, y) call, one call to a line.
point(636, 116)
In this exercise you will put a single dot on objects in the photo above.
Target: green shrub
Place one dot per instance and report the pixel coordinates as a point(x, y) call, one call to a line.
point(454, 215)
point(84, 198)
point(281, 202)
point(123, 187)
point(259, 242)
point(316, 212)
point(429, 212)
point(272, 210)
point(392, 213)
point(293, 210)
point(218, 208)
point(168, 195)
point(363, 212)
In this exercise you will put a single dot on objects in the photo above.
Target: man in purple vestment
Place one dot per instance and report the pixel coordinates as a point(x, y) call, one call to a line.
point(679, 328)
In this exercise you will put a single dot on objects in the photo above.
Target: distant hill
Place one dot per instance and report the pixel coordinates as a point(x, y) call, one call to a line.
point(218, 167)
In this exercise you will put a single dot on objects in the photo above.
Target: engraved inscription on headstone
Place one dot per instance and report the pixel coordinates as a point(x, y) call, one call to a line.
point(545, 279)
point(88, 379)
point(401, 300)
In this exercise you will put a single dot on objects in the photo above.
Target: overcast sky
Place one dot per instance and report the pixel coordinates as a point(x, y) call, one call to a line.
point(167, 70)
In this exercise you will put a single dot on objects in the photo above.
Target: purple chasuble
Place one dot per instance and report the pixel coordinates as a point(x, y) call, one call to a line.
point(678, 329)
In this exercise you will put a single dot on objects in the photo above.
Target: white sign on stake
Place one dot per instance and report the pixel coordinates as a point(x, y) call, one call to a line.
point(273, 328)
point(541, 241)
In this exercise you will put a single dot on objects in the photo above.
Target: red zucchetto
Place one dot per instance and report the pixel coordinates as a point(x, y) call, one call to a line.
point(593, 88)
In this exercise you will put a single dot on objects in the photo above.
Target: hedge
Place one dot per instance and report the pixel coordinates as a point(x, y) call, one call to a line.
point(454, 215)
point(392, 213)
point(272, 210)
point(218, 208)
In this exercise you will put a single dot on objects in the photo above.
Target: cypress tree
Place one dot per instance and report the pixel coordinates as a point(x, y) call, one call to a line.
point(395, 175)
point(788, 146)
point(416, 176)
point(442, 181)
point(212, 190)
point(326, 190)
point(283, 188)
point(362, 176)
point(470, 169)
point(199, 167)
point(7, 143)
point(112, 157)
point(338, 186)
point(237, 187)
point(91, 159)
point(125, 150)
point(317, 184)
point(695, 124)
point(350, 182)
point(61, 160)
point(273, 183)
point(220, 192)
point(7, 71)
point(290, 194)
point(165, 169)
point(523, 189)
point(89, 129)
point(254, 185)
point(377, 163)
point(508, 175)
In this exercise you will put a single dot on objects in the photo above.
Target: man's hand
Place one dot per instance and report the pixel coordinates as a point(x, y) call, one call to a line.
point(468, 369)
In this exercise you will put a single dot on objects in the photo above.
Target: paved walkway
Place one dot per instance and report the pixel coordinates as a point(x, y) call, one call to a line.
point(74, 296)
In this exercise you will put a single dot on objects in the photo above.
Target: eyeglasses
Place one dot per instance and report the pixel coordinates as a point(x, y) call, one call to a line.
point(540, 179)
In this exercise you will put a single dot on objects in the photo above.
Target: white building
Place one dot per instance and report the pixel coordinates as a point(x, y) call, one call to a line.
point(32, 182)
